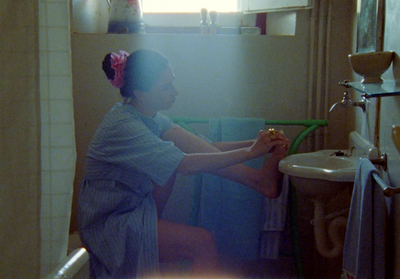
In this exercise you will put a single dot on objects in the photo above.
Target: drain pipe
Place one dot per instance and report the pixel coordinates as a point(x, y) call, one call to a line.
point(329, 243)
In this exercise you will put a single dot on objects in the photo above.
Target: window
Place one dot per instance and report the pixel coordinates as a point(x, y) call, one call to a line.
point(222, 6)
point(183, 16)
point(161, 14)
point(273, 5)
point(189, 6)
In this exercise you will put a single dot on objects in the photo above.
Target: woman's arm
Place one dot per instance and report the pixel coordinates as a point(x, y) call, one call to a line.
point(226, 146)
point(190, 143)
point(217, 162)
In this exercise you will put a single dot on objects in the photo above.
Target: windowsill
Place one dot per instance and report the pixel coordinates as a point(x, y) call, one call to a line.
point(172, 30)
point(193, 19)
point(278, 24)
point(197, 30)
point(231, 31)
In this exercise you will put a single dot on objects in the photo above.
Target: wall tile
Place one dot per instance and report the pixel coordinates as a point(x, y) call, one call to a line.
point(61, 87)
point(61, 182)
point(45, 166)
point(60, 111)
point(59, 63)
point(62, 158)
point(57, 14)
point(58, 38)
point(62, 135)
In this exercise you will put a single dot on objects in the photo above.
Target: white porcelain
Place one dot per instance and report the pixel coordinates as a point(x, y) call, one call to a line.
point(320, 175)
point(371, 65)
point(322, 164)
point(396, 137)
point(323, 174)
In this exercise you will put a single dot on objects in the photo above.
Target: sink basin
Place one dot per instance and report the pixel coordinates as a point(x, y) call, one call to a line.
point(320, 175)
point(323, 175)
point(323, 164)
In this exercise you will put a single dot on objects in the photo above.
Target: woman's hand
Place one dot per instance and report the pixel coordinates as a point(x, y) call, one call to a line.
point(268, 141)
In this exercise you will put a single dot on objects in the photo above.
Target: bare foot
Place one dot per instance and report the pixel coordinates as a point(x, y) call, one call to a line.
point(271, 185)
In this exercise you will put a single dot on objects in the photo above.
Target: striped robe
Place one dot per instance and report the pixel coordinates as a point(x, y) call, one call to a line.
point(118, 218)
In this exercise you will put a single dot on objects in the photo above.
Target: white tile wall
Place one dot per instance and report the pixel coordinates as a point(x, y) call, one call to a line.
point(58, 141)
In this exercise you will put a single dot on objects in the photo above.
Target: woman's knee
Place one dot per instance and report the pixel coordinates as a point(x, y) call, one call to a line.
point(204, 240)
point(178, 241)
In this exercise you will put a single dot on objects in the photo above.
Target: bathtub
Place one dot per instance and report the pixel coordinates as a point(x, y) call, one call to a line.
point(75, 265)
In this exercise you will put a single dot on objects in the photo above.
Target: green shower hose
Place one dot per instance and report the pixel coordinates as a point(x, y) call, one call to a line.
point(310, 126)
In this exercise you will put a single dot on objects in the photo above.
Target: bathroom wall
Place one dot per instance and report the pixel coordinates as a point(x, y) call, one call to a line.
point(389, 116)
point(19, 140)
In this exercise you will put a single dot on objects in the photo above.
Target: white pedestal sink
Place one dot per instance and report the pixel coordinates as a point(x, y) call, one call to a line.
point(321, 176)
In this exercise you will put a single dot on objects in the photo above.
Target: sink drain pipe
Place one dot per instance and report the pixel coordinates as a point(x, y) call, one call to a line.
point(329, 238)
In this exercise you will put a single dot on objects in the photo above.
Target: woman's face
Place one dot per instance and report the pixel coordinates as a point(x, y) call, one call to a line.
point(162, 94)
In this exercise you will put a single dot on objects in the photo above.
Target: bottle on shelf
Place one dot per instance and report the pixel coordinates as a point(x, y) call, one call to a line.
point(213, 24)
point(203, 22)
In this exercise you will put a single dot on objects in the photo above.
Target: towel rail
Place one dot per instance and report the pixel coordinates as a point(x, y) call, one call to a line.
point(387, 190)
point(381, 161)
point(309, 124)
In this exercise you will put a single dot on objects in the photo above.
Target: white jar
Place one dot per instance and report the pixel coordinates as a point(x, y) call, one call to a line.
point(90, 16)
point(125, 16)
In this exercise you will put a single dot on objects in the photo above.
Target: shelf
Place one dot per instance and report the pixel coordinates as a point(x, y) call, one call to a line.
point(374, 90)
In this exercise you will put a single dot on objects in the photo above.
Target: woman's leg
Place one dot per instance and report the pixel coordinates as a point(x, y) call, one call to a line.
point(178, 241)
point(162, 193)
point(267, 180)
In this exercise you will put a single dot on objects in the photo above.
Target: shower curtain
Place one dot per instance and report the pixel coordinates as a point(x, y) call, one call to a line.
point(58, 152)
point(37, 145)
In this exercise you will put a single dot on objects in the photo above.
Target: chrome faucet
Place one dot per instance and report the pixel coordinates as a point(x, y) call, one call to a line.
point(347, 102)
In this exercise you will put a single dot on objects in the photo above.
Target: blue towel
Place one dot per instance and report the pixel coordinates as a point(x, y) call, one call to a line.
point(232, 211)
point(275, 217)
point(364, 247)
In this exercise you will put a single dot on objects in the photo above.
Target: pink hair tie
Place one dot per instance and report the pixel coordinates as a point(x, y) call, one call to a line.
point(118, 62)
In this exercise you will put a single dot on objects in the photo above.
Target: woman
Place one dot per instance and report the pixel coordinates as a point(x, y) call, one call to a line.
point(137, 148)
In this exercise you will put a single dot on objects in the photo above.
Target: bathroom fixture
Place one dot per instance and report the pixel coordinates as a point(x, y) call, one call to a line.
point(71, 265)
point(387, 88)
point(371, 65)
point(322, 175)
point(347, 102)
point(396, 136)
point(387, 190)
point(382, 161)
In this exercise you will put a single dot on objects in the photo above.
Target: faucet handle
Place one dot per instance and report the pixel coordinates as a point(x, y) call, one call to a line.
point(346, 96)
point(344, 83)
point(346, 101)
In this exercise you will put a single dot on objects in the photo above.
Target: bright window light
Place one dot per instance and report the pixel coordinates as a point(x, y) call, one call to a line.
point(189, 6)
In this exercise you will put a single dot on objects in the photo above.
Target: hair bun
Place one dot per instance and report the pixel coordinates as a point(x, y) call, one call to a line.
point(106, 65)
point(114, 66)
